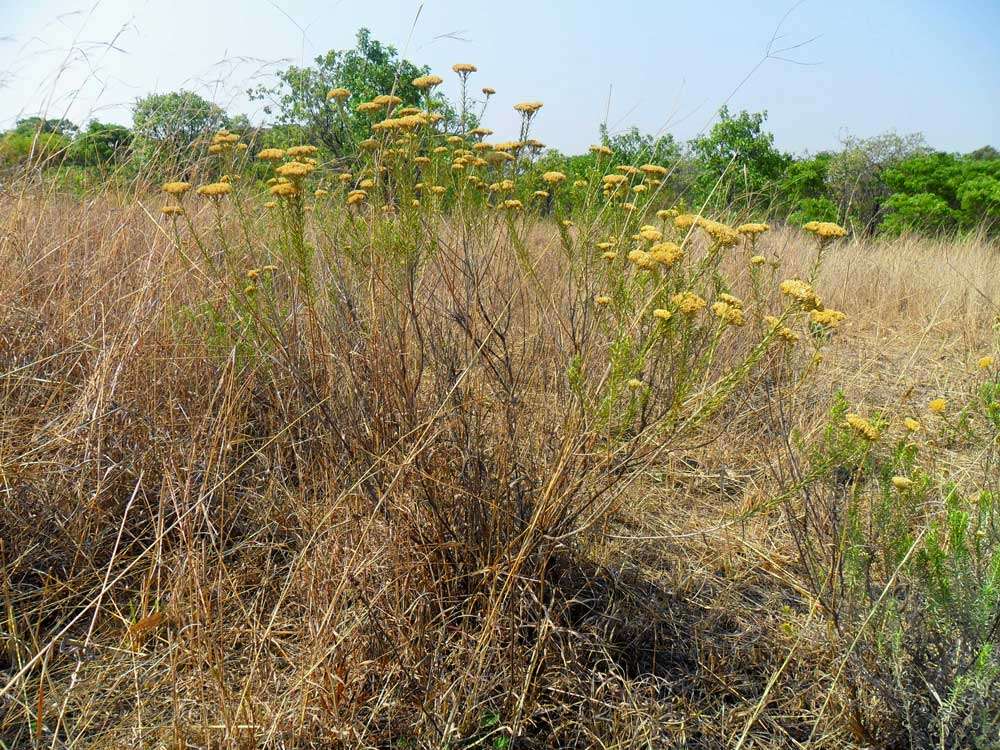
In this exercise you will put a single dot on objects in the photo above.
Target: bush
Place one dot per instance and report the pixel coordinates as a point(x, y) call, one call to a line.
point(924, 212)
point(907, 569)
point(813, 209)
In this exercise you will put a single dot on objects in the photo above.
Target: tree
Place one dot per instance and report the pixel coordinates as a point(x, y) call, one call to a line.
point(738, 161)
point(32, 125)
point(368, 69)
point(986, 152)
point(100, 144)
point(922, 212)
point(179, 116)
point(855, 175)
point(635, 148)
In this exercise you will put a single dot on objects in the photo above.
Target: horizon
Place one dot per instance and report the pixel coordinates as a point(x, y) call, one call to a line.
point(93, 62)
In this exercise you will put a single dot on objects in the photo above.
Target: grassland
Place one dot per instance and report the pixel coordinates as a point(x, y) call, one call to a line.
point(385, 475)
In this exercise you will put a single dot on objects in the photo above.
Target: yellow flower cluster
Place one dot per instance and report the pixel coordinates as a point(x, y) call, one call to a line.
point(728, 313)
point(752, 229)
point(802, 293)
point(653, 169)
point(723, 235)
point(902, 483)
point(862, 427)
point(406, 122)
point(528, 108)
point(464, 68)
point(601, 150)
point(938, 406)
point(688, 303)
point(784, 332)
point(666, 253)
point(825, 230)
point(295, 170)
point(643, 260)
point(284, 189)
point(215, 189)
point(427, 82)
point(827, 318)
point(339, 94)
point(176, 188)
point(554, 178)
point(271, 154)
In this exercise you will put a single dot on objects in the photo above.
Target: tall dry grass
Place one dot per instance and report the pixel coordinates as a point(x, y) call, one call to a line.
point(354, 541)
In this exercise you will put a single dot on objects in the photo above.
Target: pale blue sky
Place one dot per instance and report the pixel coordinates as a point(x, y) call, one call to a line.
point(662, 65)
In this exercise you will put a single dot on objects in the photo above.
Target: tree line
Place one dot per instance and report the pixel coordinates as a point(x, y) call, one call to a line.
point(887, 184)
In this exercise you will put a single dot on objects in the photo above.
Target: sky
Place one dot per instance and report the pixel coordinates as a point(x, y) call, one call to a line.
point(821, 69)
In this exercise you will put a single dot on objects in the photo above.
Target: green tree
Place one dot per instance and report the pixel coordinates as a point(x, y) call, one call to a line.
point(813, 209)
point(32, 125)
point(924, 213)
point(167, 125)
point(100, 144)
point(370, 68)
point(855, 175)
point(739, 165)
point(985, 152)
point(979, 201)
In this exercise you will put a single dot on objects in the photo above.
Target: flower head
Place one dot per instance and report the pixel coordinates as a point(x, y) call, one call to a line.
point(215, 189)
point(339, 94)
point(985, 363)
point(728, 313)
point(463, 69)
point(862, 427)
point(688, 303)
point(284, 189)
point(666, 253)
point(427, 82)
point(752, 229)
point(553, 178)
point(271, 154)
point(295, 169)
point(902, 483)
point(825, 230)
point(528, 108)
point(911, 424)
point(827, 318)
point(937, 406)
point(802, 293)
point(176, 188)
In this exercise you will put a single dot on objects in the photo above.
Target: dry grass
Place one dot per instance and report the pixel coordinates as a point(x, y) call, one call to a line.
point(199, 554)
